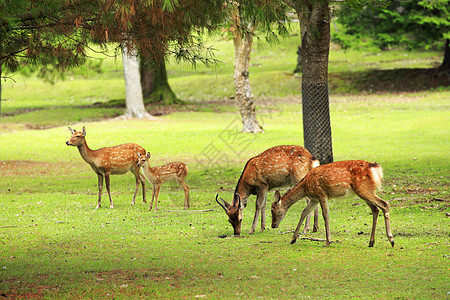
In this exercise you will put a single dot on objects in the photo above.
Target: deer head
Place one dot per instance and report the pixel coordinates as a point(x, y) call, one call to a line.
point(143, 158)
point(278, 212)
point(234, 212)
point(77, 137)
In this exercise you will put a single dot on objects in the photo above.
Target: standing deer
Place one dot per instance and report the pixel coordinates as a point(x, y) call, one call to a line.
point(174, 171)
point(332, 181)
point(109, 161)
point(276, 167)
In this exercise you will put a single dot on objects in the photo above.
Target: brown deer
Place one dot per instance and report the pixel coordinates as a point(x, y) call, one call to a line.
point(276, 167)
point(335, 180)
point(109, 161)
point(174, 171)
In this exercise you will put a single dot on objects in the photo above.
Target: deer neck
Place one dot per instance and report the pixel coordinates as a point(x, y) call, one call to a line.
point(86, 153)
point(293, 195)
point(149, 172)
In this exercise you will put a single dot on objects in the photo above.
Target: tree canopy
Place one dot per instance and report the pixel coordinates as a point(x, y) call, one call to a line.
point(57, 33)
point(413, 24)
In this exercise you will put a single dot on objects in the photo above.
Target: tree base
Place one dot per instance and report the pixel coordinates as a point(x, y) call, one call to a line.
point(163, 96)
point(128, 116)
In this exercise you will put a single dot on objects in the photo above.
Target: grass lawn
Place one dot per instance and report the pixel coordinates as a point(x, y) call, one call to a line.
point(54, 244)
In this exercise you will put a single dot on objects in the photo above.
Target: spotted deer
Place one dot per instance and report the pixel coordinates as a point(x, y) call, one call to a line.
point(174, 171)
point(109, 161)
point(278, 166)
point(335, 180)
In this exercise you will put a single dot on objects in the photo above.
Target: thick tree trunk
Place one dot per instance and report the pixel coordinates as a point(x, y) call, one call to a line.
point(445, 66)
point(244, 95)
point(155, 84)
point(134, 100)
point(315, 31)
point(299, 66)
point(1, 80)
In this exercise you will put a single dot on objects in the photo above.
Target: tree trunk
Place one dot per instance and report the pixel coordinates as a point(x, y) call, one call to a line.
point(244, 95)
point(445, 66)
point(155, 85)
point(315, 31)
point(134, 100)
point(298, 67)
point(1, 79)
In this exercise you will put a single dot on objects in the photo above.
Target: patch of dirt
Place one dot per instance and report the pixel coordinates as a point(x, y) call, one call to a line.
point(28, 168)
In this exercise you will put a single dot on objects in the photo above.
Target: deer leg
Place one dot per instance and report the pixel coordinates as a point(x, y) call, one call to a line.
point(375, 211)
point(308, 209)
point(263, 214)
point(316, 220)
point(384, 206)
point(107, 181)
point(308, 219)
point(158, 186)
point(259, 204)
point(136, 190)
point(142, 180)
point(153, 195)
point(372, 199)
point(100, 189)
point(186, 194)
point(326, 218)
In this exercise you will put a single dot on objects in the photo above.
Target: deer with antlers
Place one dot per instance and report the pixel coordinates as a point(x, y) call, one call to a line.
point(335, 180)
point(278, 166)
point(174, 171)
point(109, 161)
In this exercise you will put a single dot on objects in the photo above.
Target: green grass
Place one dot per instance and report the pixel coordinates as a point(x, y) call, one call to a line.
point(53, 244)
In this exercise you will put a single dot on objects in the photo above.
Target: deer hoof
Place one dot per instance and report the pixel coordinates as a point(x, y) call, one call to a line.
point(293, 241)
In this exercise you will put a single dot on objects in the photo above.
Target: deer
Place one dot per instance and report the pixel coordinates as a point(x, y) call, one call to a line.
point(279, 166)
point(174, 171)
point(109, 161)
point(335, 180)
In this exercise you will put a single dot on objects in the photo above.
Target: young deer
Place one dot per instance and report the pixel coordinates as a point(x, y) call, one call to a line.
point(276, 167)
point(109, 161)
point(174, 171)
point(332, 181)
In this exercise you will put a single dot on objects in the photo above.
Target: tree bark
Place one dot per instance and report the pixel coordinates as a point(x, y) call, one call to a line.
point(445, 66)
point(315, 31)
point(244, 95)
point(134, 100)
point(1, 79)
point(298, 67)
point(155, 84)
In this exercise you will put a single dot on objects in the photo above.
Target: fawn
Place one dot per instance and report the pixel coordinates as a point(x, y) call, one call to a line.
point(174, 171)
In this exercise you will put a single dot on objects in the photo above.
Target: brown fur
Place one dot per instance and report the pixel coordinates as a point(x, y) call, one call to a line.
point(278, 166)
point(109, 161)
point(174, 171)
point(332, 181)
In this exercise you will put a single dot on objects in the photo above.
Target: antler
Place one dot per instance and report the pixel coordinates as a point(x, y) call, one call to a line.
point(222, 205)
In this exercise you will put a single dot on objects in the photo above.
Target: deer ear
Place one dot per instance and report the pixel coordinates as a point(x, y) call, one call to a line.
point(237, 200)
point(139, 154)
point(83, 131)
point(292, 151)
point(71, 130)
point(148, 155)
point(277, 195)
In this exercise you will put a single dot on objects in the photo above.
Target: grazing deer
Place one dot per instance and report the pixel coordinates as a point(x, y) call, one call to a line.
point(109, 161)
point(174, 171)
point(276, 167)
point(332, 181)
